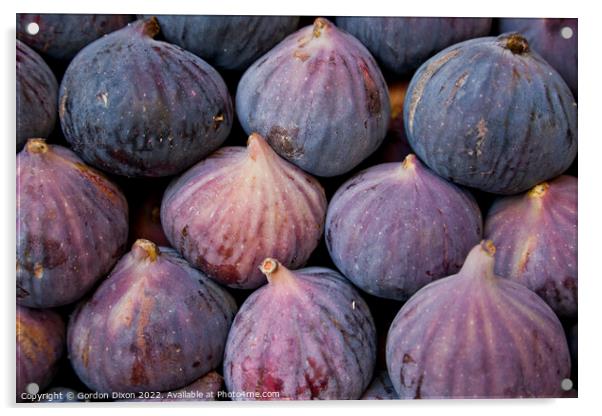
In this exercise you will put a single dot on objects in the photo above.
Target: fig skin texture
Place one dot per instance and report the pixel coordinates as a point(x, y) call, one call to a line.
point(536, 238)
point(307, 334)
point(37, 95)
point(231, 210)
point(40, 344)
point(381, 388)
point(402, 44)
point(62, 36)
point(318, 98)
point(155, 324)
point(552, 40)
point(227, 42)
point(176, 112)
point(491, 114)
point(72, 225)
point(204, 389)
point(396, 227)
point(477, 335)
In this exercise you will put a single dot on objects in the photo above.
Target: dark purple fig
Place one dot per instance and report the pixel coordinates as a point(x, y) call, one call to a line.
point(490, 113)
point(396, 227)
point(227, 42)
point(307, 334)
point(402, 44)
point(204, 389)
point(230, 211)
point(135, 106)
point(381, 388)
point(40, 344)
point(61, 36)
point(477, 335)
point(554, 39)
point(72, 225)
point(318, 98)
point(155, 324)
point(37, 95)
point(536, 238)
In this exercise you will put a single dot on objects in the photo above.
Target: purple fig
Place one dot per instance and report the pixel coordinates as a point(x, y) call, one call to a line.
point(477, 335)
point(37, 95)
point(155, 324)
point(307, 334)
point(72, 225)
point(536, 238)
point(396, 227)
point(40, 344)
point(233, 209)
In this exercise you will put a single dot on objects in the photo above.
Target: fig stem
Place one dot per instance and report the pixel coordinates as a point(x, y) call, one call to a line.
point(539, 190)
point(488, 247)
point(319, 24)
point(517, 44)
point(147, 27)
point(146, 249)
point(36, 146)
point(268, 266)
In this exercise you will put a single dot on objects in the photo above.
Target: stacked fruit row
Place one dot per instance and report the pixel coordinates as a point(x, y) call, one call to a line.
point(374, 178)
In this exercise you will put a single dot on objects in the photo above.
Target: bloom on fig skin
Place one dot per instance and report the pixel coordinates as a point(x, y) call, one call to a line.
point(307, 334)
point(155, 324)
point(233, 209)
point(477, 335)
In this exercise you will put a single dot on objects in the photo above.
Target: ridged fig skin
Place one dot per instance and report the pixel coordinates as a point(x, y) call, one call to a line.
point(176, 112)
point(395, 227)
point(155, 324)
point(227, 42)
point(37, 95)
point(402, 44)
point(307, 334)
point(40, 344)
point(318, 98)
point(72, 225)
point(490, 113)
point(381, 388)
point(239, 206)
point(477, 335)
point(536, 238)
point(551, 39)
point(62, 36)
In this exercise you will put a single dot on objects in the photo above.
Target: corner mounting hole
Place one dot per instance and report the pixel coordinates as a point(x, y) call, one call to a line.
point(566, 384)
point(566, 32)
point(32, 28)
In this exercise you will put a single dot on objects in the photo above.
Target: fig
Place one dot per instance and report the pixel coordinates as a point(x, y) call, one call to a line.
point(231, 210)
point(396, 227)
point(155, 324)
point(318, 98)
point(307, 334)
point(61, 36)
point(40, 344)
point(176, 112)
point(402, 44)
point(536, 238)
point(204, 389)
point(490, 113)
point(477, 335)
point(72, 225)
point(37, 95)
point(227, 42)
point(381, 388)
point(554, 39)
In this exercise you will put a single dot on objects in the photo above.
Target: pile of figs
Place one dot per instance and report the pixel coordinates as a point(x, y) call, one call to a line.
point(295, 208)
